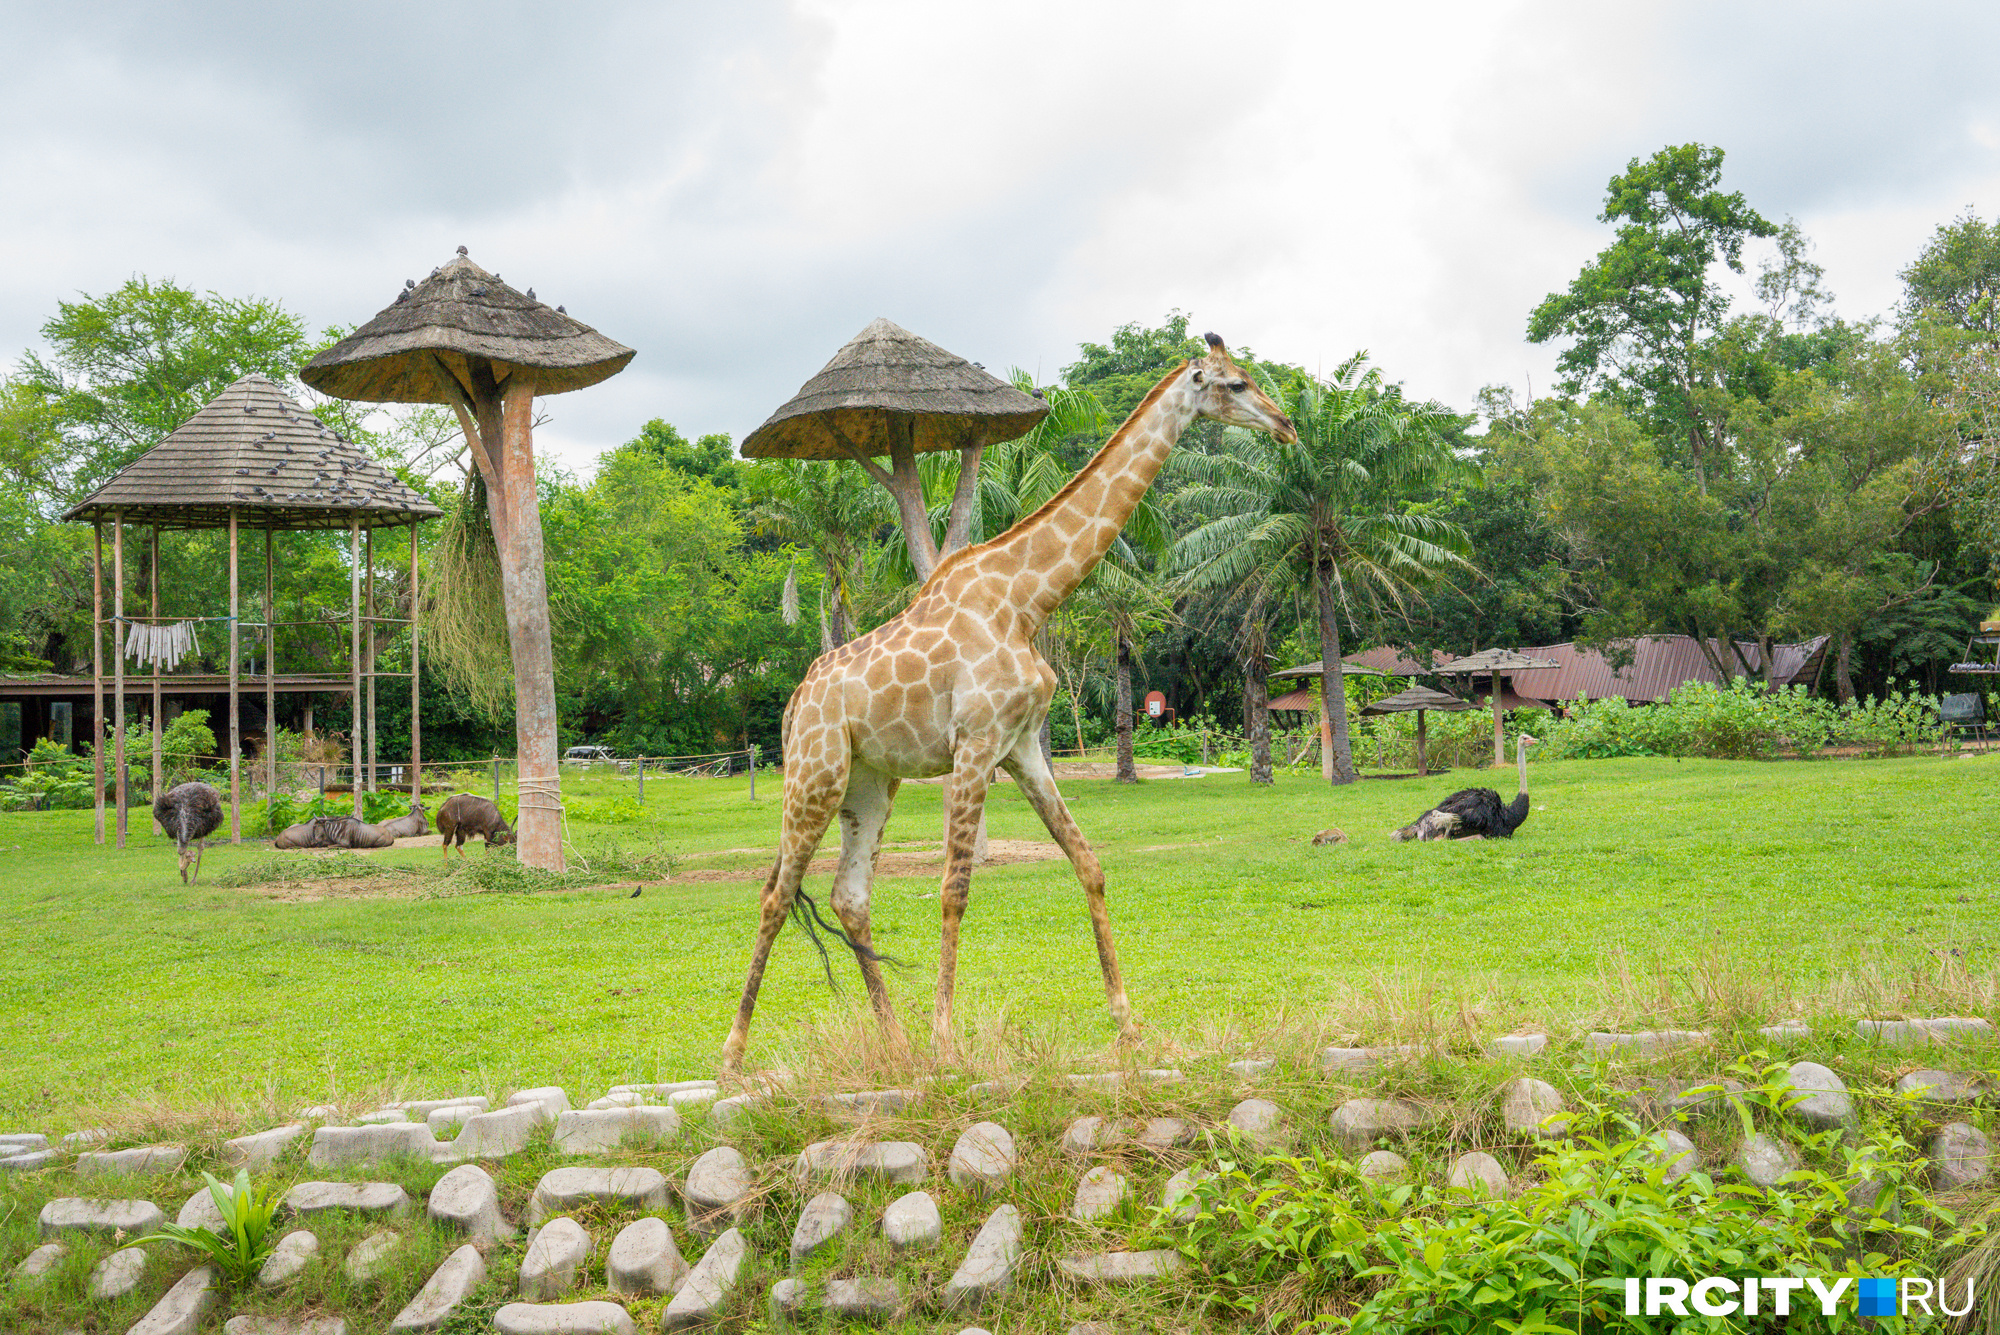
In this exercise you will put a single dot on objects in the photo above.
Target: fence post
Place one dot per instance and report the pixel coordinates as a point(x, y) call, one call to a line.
point(642, 779)
point(753, 771)
point(322, 783)
point(496, 780)
point(1204, 747)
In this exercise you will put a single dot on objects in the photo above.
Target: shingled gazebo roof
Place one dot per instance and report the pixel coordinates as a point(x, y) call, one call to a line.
point(885, 377)
point(460, 312)
point(1494, 660)
point(254, 449)
point(1415, 698)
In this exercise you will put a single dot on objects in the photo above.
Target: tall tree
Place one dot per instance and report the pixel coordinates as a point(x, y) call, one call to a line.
point(1330, 511)
point(1955, 281)
point(829, 510)
point(1639, 314)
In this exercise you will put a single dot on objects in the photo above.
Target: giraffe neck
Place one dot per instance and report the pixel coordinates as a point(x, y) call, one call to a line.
point(1065, 539)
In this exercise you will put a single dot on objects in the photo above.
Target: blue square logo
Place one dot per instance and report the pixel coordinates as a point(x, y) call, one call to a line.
point(1878, 1297)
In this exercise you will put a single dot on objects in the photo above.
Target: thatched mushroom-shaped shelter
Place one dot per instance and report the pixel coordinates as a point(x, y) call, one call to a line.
point(1317, 668)
point(251, 457)
point(1417, 700)
point(464, 338)
point(1494, 662)
point(890, 392)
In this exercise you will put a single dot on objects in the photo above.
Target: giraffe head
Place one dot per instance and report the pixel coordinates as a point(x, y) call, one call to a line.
point(1224, 392)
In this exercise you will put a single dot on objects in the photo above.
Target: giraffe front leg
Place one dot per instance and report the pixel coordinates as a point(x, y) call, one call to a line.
point(972, 771)
point(1031, 772)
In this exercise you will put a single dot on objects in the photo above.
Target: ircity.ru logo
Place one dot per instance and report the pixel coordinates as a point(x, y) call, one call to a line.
point(1775, 1296)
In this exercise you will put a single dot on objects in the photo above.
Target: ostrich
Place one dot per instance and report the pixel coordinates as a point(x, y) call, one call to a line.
point(190, 812)
point(1475, 813)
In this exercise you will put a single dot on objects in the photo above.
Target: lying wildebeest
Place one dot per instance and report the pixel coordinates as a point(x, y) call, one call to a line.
point(407, 827)
point(307, 834)
point(463, 816)
point(334, 832)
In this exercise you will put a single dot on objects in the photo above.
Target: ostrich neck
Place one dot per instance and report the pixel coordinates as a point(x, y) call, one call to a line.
point(1521, 759)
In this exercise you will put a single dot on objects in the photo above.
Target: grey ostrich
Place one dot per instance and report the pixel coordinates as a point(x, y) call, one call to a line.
point(190, 812)
point(1475, 813)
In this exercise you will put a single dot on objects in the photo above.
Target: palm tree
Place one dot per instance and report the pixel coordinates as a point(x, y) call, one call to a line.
point(1329, 509)
point(833, 512)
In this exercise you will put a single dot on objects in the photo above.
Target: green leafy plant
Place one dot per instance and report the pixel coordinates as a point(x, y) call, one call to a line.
point(247, 1238)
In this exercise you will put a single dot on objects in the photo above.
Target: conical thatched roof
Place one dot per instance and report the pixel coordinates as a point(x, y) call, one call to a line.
point(1417, 697)
point(886, 380)
point(1496, 660)
point(1318, 667)
point(461, 311)
point(255, 449)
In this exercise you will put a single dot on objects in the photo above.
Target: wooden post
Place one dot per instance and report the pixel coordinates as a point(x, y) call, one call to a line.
point(1421, 770)
point(642, 780)
point(1325, 743)
point(354, 655)
point(118, 662)
point(97, 668)
point(159, 770)
point(368, 549)
point(753, 771)
point(235, 692)
point(270, 682)
point(1499, 728)
point(416, 700)
point(538, 782)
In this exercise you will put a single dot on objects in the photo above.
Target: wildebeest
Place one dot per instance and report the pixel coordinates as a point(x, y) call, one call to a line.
point(190, 812)
point(334, 832)
point(463, 816)
point(407, 827)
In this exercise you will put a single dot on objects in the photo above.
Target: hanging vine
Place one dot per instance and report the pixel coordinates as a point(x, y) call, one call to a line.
point(465, 619)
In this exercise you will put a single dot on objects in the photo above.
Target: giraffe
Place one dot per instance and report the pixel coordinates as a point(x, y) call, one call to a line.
point(954, 685)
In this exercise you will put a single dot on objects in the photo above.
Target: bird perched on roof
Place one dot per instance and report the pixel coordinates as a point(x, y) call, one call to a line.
point(461, 250)
point(562, 310)
point(409, 282)
point(531, 294)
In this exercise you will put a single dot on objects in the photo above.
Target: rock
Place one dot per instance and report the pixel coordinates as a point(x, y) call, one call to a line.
point(1942, 1087)
point(39, 1262)
point(983, 1158)
point(549, 1269)
point(319, 1112)
point(1177, 1198)
point(420, 1110)
point(92, 1135)
point(467, 1201)
point(1901, 1033)
point(644, 1259)
point(1382, 1166)
point(825, 1217)
point(1164, 1133)
point(1960, 1156)
point(148, 1159)
point(494, 1135)
point(1252, 1067)
point(990, 1262)
point(1698, 1098)
point(1866, 1202)
point(462, 1272)
point(20, 1142)
point(1121, 1267)
point(260, 1151)
point(996, 1091)
point(367, 1258)
point(181, 1309)
point(1256, 1121)
point(862, 1299)
point(27, 1162)
point(1343, 1061)
point(383, 1198)
point(1096, 1080)
point(1357, 1123)
point(582, 1131)
point(446, 1123)
point(1765, 1161)
point(788, 1301)
point(1786, 1030)
point(1678, 1153)
point(549, 1098)
point(334, 1146)
point(284, 1325)
point(1645, 1043)
point(594, 1318)
point(1088, 1134)
point(201, 1211)
point(1479, 1173)
point(1089, 1328)
point(724, 1112)
point(872, 1103)
point(668, 1089)
point(75, 1214)
point(912, 1221)
point(839, 1161)
point(709, 1285)
point(624, 1098)
point(1533, 1108)
point(1518, 1045)
point(1160, 1075)
point(691, 1102)
point(293, 1254)
point(717, 1185)
point(627, 1188)
point(118, 1274)
point(1099, 1193)
point(382, 1117)
point(1827, 1105)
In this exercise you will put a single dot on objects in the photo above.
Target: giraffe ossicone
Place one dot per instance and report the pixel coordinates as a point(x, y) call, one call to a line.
point(954, 685)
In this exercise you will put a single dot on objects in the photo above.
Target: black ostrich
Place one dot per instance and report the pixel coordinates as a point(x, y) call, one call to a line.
point(1475, 813)
point(190, 812)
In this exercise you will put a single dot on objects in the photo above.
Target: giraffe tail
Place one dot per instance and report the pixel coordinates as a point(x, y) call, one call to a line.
point(806, 913)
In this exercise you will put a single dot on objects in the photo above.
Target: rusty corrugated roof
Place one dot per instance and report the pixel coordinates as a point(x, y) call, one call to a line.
point(1659, 663)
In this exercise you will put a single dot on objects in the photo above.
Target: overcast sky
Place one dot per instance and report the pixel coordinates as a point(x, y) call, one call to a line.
point(736, 189)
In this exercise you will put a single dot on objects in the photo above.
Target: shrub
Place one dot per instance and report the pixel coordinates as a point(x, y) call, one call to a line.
point(1742, 721)
point(247, 1237)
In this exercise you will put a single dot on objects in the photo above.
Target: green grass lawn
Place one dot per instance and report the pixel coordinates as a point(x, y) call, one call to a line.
point(1640, 892)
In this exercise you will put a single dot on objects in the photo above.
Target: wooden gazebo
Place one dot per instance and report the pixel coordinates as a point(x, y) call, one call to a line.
point(1417, 700)
point(251, 458)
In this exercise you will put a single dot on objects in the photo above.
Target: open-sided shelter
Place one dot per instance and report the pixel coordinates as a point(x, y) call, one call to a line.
point(1417, 700)
point(1492, 663)
point(251, 458)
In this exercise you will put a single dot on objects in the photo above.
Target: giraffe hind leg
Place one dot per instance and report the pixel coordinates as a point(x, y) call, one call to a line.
point(865, 811)
point(972, 772)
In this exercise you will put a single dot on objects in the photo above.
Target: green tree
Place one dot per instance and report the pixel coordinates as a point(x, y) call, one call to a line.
point(1330, 511)
point(833, 512)
point(1638, 315)
point(1954, 281)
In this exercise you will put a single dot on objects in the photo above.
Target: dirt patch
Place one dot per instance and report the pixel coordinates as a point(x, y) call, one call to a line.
point(345, 887)
point(903, 860)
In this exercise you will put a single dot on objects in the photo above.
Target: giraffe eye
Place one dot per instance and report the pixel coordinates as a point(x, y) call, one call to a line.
point(1238, 386)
